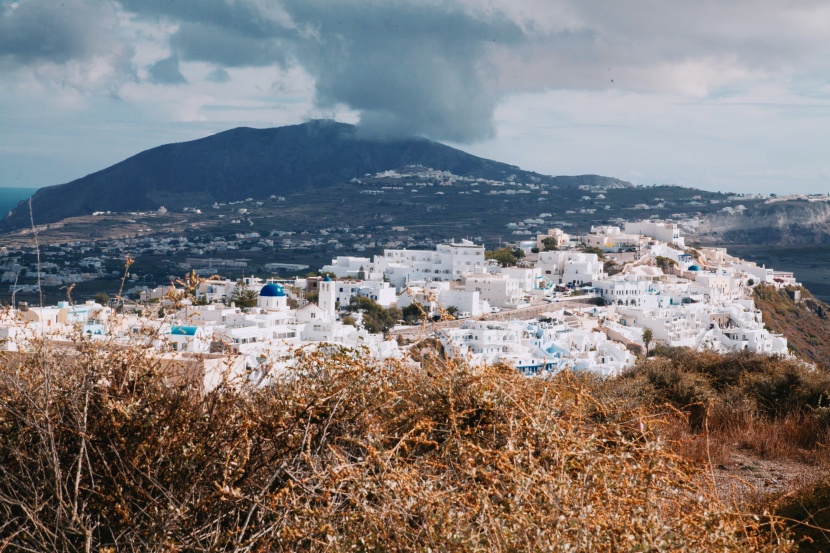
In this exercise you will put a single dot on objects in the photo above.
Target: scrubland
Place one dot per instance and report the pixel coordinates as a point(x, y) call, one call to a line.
point(100, 451)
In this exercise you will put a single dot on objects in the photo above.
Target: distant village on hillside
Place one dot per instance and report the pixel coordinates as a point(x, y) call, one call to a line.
point(543, 306)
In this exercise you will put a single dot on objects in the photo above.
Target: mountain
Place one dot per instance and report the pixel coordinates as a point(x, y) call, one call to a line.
point(244, 162)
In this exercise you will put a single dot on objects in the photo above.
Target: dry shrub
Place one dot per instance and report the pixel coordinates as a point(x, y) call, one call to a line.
point(702, 448)
point(788, 389)
point(662, 380)
point(789, 437)
point(808, 511)
point(775, 407)
point(98, 450)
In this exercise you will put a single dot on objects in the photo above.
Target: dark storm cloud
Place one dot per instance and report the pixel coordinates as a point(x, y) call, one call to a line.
point(243, 17)
point(414, 68)
point(44, 30)
point(167, 71)
point(407, 67)
point(224, 46)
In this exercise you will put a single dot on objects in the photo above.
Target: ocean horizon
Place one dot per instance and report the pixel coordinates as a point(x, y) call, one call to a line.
point(11, 196)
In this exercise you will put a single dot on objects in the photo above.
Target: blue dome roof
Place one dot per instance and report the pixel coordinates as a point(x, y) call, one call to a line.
point(694, 268)
point(272, 291)
point(327, 279)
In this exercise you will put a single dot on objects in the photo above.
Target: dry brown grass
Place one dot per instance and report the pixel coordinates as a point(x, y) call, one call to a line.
point(757, 426)
point(344, 454)
point(776, 408)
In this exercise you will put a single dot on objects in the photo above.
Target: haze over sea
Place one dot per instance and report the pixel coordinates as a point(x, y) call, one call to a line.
point(10, 197)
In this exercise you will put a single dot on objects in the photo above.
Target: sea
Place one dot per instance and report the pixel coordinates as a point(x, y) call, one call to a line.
point(10, 197)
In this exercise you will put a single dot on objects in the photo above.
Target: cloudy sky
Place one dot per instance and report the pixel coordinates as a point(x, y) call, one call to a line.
point(725, 95)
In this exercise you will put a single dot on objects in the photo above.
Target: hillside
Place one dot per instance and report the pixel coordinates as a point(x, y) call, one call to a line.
point(244, 162)
point(805, 323)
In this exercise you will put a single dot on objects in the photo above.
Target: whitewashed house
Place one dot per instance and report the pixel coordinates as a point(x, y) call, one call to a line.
point(569, 267)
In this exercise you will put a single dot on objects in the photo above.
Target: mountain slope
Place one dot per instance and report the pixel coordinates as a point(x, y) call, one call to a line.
point(804, 322)
point(246, 162)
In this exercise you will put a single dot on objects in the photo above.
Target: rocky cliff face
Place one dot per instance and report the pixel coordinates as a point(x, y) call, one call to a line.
point(790, 222)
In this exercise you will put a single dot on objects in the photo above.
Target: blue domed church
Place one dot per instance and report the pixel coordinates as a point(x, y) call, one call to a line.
point(272, 297)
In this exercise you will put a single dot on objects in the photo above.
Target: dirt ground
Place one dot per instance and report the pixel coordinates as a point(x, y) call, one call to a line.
point(745, 476)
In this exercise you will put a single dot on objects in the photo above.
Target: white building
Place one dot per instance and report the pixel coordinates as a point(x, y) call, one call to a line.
point(528, 277)
point(215, 289)
point(555, 236)
point(438, 295)
point(550, 344)
point(447, 262)
point(626, 290)
point(735, 326)
point(569, 267)
point(717, 285)
point(190, 338)
point(498, 290)
point(382, 292)
point(345, 266)
point(327, 297)
point(612, 239)
point(465, 301)
point(665, 232)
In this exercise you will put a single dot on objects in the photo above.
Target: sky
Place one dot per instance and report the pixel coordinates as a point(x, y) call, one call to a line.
point(727, 95)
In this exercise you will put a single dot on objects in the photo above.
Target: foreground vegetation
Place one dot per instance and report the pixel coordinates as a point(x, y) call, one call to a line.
point(770, 406)
point(98, 450)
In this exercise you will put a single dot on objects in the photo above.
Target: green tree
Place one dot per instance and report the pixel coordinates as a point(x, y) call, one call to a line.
point(648, 336)
point(376, 319)
point(594, 249)
point(506, 257)
point(102, 298)
point(414, 313)
point(361, 274)
point(242, 296)
point(611, 267)
point(664, 263)
point(550, 244)
point(452, 310)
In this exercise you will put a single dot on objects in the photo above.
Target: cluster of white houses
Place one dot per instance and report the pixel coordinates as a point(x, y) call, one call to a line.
point(700, 298)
